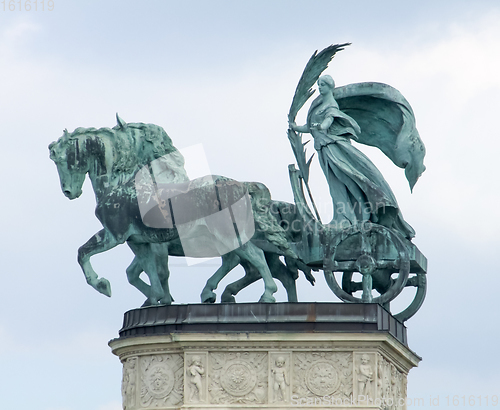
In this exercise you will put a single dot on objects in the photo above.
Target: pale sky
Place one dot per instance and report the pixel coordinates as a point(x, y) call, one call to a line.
point(222, 74)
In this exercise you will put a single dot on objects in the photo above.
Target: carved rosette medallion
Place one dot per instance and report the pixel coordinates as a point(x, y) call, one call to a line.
point(159, 381)
point(238, 378)
point(323, 374)
point(162, 380)
point(322, 378)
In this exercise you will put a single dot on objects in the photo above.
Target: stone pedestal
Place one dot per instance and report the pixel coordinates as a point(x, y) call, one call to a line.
point(237, 356)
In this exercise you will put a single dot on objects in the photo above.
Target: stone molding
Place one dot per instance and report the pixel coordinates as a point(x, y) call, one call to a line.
point(265, 370)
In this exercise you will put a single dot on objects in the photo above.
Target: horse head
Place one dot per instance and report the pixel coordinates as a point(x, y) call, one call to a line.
point(72, 166)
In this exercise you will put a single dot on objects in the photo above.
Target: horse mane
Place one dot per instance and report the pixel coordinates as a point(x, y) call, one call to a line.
point(81, 130)
point(156, 141)
point(135, 145)
point(150, 142)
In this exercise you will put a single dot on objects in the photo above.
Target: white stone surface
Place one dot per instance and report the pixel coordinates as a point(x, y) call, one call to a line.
point(264, 370)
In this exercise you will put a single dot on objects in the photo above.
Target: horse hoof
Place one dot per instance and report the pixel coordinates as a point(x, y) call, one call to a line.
point(208, 297)
point(267, 299)
point(227, 299)
point(103, 286)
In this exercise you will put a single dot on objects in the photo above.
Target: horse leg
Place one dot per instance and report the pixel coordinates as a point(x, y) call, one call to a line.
point(229, 262)
point(133, 275)
point(148, 262)
point(255, 256)
point(284, 275)
point(102, 241)
point(251, 276)
point(160, 253)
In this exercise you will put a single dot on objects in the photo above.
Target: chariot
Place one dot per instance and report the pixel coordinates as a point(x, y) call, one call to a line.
point(386, 261)
point(124, 163)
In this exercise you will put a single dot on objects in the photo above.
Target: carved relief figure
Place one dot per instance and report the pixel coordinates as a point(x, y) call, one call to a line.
point(195, 373)
point(280, 379)
point(365, 377)
point(397, 387)
point(128, 383)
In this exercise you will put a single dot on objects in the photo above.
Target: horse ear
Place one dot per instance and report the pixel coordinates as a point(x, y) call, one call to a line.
point(122, 124)
point(66, 132)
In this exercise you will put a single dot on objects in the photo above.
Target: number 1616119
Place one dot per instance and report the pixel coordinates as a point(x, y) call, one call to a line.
point(27, 5)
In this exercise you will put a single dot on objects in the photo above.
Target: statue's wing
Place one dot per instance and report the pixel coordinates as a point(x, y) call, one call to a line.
point(387, 122)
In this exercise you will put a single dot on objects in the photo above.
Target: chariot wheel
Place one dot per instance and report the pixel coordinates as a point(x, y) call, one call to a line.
point(376, 252)
point(420, 282)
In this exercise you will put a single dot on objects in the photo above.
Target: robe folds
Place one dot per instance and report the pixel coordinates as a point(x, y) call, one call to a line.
point(359, 191)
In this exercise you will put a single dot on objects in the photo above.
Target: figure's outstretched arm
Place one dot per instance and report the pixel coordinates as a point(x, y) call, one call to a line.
point(327, 122)
point(299, 128)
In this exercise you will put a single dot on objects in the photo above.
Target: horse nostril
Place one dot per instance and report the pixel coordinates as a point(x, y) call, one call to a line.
point(67, 192)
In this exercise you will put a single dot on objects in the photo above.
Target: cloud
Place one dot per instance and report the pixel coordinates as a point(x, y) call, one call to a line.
point(463, 60)
point(466, 60)
point(17, 32)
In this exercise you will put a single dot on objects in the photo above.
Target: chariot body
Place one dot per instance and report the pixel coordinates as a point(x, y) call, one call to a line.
point(386, 261)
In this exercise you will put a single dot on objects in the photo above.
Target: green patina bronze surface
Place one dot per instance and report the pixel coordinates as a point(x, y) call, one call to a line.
point(214, 216)
point(145, 198)
point(368, 233)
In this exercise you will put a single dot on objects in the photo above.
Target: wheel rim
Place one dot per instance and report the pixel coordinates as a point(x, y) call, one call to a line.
point(404, 263)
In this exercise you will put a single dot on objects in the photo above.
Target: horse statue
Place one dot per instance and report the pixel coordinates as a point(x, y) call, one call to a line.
point(113, 159)
point(287, 273)
point(291, 224)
